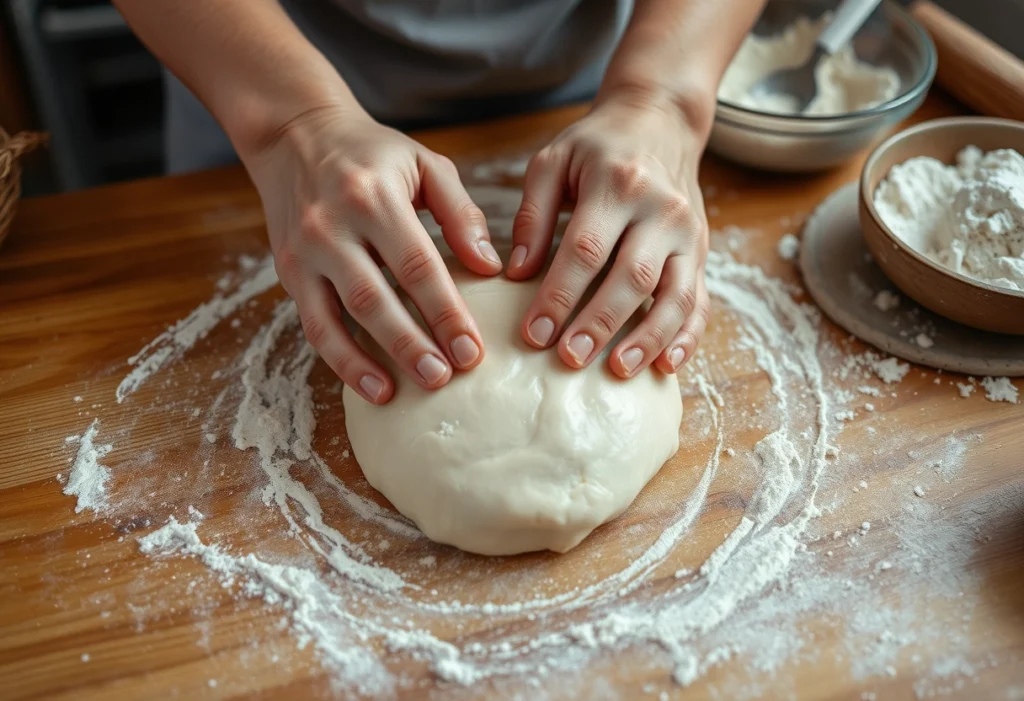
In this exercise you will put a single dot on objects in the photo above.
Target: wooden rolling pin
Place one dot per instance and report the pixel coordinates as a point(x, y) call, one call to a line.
point(972, 68)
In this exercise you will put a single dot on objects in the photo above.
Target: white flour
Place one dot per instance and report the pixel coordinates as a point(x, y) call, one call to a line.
point(999, 389)
point(364, 607)
point(788, 247)
point(88, 478)
point(967, 217)
point(174, 341)
point(845, 83)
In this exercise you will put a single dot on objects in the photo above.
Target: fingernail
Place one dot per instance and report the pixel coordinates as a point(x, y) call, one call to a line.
point(430, 369)
point(465, 350)
point(518, 257)
point(372, 387)
point(580, 347)
point(631, 359)
point(488, 252)
point(541, 330)
point(675, 356)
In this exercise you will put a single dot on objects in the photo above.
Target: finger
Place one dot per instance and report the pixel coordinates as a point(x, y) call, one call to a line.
point(674, 302)
point(462, 223)
point(413, 259)
point(634, 276)
point(585, 248)
point(683, 346)
point(375, 306)
point(322, 324)
point(534, 225)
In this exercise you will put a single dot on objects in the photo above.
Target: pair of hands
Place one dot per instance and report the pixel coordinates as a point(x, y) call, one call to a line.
point(341, 194)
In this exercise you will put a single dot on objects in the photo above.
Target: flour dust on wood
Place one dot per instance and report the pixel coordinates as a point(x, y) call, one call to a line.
point(307, 536)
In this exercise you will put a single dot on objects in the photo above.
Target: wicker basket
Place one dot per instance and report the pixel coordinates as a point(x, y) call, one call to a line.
point(11, 148)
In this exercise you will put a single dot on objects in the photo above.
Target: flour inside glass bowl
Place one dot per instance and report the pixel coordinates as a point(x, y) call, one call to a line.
point(845, 83)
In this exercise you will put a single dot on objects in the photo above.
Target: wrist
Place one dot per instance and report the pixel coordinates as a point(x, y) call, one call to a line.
point(272, 117)
point(692, 106)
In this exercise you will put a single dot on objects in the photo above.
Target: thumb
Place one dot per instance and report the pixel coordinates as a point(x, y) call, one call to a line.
point(463, 225)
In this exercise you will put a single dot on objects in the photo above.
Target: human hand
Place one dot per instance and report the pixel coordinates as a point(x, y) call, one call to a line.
point(340, 193)
point(631, 168)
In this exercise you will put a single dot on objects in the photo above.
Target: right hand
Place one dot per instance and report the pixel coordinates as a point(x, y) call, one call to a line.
point(340, 192)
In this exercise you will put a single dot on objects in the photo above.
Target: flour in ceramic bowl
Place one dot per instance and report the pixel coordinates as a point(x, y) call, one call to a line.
point(845, 82)
point(967, 217)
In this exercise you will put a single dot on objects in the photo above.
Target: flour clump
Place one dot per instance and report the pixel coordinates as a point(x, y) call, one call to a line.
point(845, 83)
point(521, 453)
point(967, 217)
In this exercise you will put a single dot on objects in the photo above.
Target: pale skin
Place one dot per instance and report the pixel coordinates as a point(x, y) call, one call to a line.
point(341, 191)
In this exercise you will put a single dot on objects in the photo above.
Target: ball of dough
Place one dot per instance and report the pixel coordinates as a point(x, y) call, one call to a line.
point(521, 453)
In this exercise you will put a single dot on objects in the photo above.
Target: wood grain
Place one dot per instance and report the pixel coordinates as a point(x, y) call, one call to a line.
point(88, 278)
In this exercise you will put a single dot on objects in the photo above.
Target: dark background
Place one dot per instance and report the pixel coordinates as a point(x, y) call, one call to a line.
point(72, 67)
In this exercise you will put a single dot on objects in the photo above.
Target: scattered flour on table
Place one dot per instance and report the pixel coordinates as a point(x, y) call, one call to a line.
point(173, 342)
point(361, 610)
point(890, 370)
point(845, 83)
point(788, 247)
point(999, 389)
point(967, 217)
point(88, 478)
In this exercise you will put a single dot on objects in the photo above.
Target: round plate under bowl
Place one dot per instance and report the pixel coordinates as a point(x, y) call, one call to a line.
point(955, 296)
point(844, 279)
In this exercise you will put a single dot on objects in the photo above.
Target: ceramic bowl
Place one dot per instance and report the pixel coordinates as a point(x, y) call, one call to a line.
point(957, 297)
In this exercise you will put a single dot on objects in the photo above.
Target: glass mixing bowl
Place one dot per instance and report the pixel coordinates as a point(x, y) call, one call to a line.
point(804, 143)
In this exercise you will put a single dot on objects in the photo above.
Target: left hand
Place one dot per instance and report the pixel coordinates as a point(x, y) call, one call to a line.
point(631, 168)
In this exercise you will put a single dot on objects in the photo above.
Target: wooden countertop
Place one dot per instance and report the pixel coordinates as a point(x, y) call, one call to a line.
point(87, 278)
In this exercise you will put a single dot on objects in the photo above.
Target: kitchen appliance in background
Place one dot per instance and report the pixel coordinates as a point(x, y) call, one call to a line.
point(94, 88)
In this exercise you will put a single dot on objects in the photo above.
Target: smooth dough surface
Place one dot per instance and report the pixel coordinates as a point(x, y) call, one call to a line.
point(521, 453)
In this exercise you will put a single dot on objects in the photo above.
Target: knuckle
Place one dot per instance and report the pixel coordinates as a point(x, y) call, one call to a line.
point(402, 343)
point(342, 365)
point(363, 298)
point(561, 300)
point(527, 217)
point(287, 264)
point(415, 266)
point(643, 276)
point(314, 330)
point(676, 210)
point(447, 164)
point(588, 249)
point(703, 312)
point(446, 316)
point(685, 300)
point(605, 322)
point(359, 189)
point(312, 226)
point(542, 158)
point(472, 215)
point(655, 338)
point(630, 178)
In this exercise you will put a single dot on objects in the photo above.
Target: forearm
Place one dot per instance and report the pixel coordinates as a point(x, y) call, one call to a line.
point(245, 60)
point(675, 51)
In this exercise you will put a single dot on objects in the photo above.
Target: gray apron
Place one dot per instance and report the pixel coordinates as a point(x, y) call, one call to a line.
point(417, 63)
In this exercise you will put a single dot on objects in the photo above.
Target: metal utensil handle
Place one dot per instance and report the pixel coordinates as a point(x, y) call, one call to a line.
point(848, 18)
